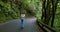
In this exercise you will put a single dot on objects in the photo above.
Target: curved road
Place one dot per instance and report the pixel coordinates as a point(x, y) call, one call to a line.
point(15, 26)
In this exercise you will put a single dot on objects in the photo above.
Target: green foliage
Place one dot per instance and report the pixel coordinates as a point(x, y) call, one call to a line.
point(12, 8)
point(33, 6)
point(7, 12)
point(57, 18)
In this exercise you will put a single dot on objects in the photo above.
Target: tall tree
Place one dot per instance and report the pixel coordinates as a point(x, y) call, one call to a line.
point(54, 7)
point(48, 11)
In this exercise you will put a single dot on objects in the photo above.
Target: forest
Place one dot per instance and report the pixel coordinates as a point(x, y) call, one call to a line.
point(46, 11)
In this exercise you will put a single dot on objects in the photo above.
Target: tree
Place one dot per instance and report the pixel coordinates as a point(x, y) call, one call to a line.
point(54, 7)
point(48, 11)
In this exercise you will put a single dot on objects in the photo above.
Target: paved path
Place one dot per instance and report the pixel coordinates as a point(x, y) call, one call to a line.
point(15, 26)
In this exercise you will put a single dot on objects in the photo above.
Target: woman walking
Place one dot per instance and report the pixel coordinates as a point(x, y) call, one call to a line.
point(22, 20)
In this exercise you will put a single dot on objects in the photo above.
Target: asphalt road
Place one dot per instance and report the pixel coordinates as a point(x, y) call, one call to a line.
point(15, 26)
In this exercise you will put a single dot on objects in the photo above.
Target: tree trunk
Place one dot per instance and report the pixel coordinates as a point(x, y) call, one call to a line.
point(54, 7)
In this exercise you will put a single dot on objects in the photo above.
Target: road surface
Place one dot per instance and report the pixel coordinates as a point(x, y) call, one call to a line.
point(15, 26)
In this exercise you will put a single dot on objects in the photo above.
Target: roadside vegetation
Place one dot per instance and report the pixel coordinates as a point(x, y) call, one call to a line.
point(43, 10)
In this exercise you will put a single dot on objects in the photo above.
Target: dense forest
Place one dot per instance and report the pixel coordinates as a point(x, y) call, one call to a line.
point(12, 8)
point(46, 11)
